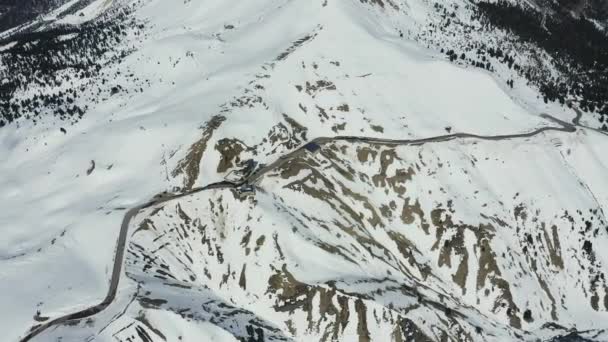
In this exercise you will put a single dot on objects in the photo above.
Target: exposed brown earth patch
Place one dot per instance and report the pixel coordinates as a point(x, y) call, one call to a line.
point(189, 166)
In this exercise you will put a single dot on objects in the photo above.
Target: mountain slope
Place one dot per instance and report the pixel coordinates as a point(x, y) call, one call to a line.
point(464, 239)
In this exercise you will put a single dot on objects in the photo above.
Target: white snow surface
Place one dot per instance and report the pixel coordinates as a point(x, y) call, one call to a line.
point(336, 67)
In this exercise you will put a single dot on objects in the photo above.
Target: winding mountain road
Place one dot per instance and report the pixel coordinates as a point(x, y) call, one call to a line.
point(251, 179)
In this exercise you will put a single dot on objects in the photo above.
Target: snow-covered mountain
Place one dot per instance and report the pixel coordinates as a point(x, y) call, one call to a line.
point(334, 170)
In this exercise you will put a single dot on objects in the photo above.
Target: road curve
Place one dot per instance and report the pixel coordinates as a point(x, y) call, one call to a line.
point(577, 121)
point(251, 179)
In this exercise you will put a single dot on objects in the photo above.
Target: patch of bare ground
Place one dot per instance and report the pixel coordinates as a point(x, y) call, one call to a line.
point(329, 310)
point(230, 151)
point(298, 43)
point(382, 3)
point(189, 166)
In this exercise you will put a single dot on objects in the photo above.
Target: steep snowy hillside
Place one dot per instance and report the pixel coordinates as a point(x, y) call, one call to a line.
point(453, 240)
point(286, 170)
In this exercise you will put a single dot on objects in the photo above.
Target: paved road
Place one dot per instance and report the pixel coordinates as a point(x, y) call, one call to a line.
point(577, 121)
point(119, 257)
point(251, 179)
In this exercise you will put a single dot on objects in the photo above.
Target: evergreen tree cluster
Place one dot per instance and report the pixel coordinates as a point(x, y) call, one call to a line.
point(472, 52)
point(578, 47)
point(594, 9)
point(17, 12)
point(45, 71)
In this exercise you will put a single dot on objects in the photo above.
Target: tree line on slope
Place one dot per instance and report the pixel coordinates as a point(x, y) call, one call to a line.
point(47, 71)
point(578, 46)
